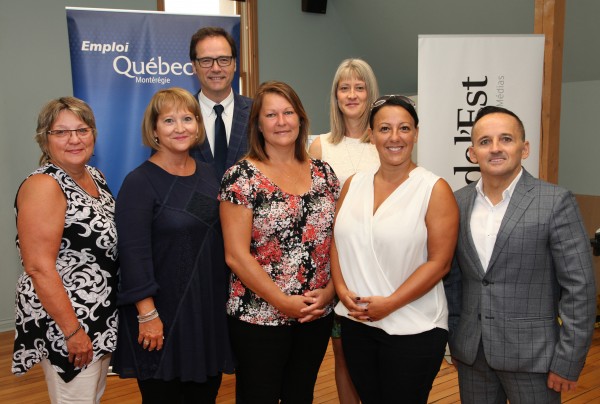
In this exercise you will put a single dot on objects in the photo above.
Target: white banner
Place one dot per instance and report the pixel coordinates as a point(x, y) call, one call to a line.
point(459, 74)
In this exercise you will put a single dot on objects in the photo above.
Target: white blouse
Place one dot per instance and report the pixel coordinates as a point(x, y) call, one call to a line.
point(378, 252)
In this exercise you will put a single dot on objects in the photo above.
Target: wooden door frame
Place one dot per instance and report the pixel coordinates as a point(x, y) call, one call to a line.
point(550, 21)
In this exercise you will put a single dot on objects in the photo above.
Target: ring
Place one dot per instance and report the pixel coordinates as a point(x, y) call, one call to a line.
point(77, 358)
point(146, 342)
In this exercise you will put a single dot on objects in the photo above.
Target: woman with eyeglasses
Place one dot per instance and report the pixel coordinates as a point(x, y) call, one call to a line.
point(395, 231)
point(173, 334)
point(347, 148)
point(66, 317)
point(277, 208)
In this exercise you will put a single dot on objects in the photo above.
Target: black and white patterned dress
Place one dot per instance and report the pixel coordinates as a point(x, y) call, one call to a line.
point(87, 264)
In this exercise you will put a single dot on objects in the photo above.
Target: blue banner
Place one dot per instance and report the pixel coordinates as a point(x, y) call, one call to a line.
point(119, 59)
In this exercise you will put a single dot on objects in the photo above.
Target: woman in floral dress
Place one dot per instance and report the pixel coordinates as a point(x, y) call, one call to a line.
point(277, 208)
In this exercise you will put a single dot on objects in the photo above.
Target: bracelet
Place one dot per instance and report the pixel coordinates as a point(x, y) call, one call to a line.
point(68, 337)
point(146, 319)
point(148, 316)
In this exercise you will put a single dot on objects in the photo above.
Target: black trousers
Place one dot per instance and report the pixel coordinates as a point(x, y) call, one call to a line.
point(278, 362)
point(155, 391)
point(387, 368)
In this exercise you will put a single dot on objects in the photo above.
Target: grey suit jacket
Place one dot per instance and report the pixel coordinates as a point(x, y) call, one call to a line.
point(541, 268)
point(238, 138)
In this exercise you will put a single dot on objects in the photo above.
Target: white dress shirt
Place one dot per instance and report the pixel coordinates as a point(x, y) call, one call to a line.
point(209, 116)
point(486, 219)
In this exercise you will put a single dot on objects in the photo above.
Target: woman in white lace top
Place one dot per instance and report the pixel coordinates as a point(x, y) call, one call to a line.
point(347, 149)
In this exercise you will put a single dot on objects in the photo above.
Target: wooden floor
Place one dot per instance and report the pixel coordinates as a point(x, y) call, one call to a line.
point(31, 388)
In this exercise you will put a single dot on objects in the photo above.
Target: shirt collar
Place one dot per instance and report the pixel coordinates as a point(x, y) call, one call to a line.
point(209, 104)
point(507, 193)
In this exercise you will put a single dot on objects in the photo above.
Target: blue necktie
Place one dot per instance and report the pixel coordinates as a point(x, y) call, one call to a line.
point(220, 141)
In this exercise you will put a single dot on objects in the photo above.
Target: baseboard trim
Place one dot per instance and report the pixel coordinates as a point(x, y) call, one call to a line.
point(7, 325)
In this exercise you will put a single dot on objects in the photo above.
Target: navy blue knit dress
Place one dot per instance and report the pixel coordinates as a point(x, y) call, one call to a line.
point(171, 248)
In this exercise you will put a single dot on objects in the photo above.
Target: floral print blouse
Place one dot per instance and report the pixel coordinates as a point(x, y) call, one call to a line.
point(291, 236)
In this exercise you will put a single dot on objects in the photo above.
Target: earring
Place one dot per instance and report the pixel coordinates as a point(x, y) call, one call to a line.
point(155, 140)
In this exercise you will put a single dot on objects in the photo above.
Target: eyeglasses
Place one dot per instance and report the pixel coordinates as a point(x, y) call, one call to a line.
point(221, 61)
point(385, 98)
point(82, 133)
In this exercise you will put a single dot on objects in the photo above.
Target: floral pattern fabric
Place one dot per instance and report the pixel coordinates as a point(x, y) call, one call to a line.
point(87, 264)
point(291, 236)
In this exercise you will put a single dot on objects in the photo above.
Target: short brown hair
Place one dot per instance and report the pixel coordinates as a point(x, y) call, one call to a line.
point(492, 109)
point(173, 97)
point(50, 112)
point(206, 32)
point(256, 140)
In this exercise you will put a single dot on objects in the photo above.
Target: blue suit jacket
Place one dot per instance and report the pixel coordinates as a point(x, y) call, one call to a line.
point(238, 139)
point(540, 268)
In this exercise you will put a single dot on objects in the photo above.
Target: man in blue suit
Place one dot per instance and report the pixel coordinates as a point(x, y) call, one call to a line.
point(521, 291)
point(213, 53)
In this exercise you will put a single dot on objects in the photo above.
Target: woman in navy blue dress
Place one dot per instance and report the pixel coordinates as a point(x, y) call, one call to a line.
point(172, 335)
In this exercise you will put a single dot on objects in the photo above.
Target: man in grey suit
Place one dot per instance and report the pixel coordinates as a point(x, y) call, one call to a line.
point(521, 291)
point(213, 53)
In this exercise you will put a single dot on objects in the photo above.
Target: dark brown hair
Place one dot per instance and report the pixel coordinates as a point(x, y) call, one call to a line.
point(492, 109)
point(206, 32)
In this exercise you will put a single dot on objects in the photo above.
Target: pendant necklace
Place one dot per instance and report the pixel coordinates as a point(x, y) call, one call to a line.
point(362, 150)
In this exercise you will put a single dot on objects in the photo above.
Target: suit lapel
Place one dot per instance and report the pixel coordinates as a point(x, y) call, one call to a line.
point(519, 201)
point(206, 152)
point(204, 148)
point(238, 133)
point(465, 225)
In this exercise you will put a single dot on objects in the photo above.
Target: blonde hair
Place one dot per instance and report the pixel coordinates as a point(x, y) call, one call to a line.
point(360, 70)
point(173, 97)
point(49, 114)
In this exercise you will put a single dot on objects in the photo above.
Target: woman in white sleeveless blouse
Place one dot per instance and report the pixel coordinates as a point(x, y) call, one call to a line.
point(395, 232)
point(348, 150)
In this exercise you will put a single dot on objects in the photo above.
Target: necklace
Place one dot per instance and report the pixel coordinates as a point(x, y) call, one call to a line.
point(297, 172)
point(285, 173)
point(362, 150)
point(288, 178)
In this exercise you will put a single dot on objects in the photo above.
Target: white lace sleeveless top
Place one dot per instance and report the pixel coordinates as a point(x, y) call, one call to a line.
point(348, 157)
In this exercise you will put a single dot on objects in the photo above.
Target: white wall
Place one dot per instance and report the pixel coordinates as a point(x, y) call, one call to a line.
point(34, 68)
point(304, 49)
point(579, 153)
